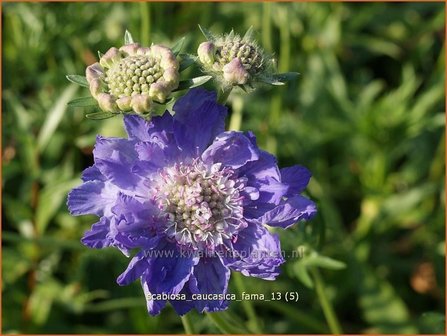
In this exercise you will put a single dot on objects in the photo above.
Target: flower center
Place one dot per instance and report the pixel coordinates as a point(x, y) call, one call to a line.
point(250, 57)
point(133, 75)
point(202, 204)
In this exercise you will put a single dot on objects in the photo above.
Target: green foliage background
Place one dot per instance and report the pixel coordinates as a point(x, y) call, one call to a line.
point(366, 116)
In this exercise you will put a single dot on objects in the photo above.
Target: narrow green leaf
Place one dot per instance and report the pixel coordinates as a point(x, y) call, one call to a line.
point(325, 262)
point(206, 33)
point(192, 83)
point(128, 39)
point(302, 274)
point(177, 47)
point(186, 61)
point(249, 34)
point(281, 78)
point(82, 102)
point(100, 54)
point(77, 79)
point(231, 34)
point(54, 117)
point(50, 199)
point(100, 115)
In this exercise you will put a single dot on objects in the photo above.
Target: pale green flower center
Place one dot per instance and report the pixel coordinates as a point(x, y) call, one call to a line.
point(249, 55)
point(133, 75)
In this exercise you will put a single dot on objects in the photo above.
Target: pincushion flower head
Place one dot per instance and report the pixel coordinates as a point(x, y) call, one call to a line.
point(238, 61)
point(190, 201)
point(132, 77)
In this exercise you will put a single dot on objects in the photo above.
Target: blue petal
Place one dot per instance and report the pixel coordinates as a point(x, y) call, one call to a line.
point(289, 212)
point(271, 191)
point(133, 214)
point(97, 236)
point(105, 148)
point(210, 276)
point(137, 266)
point(114, 158)
point(91, 174)
point(197, 120)
point(181, 307)
point(92, 197)
point(158, 129)
point(232, 149)
point(296, 178)
point(157, 155)
point(256, 253)
point(153, 306)
point(168, 272)
point(259, 170)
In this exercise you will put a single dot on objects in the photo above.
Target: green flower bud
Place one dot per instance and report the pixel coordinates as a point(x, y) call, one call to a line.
point(159, 91)
point(233, 60)
point(131, 77)
point(234, 73)
point(124, 103)
point(107, 102)
point(110, 57)
point(141, 103)
point(206, 52)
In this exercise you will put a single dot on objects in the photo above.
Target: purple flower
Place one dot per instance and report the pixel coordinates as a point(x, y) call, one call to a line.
point(191, 200)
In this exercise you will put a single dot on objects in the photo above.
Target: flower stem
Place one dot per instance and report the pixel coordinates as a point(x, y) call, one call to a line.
point(236, 116)
point(187, 325)
point(223, 325)
point(222, 95)
point(145, 22)
point(326, 305)
point(253, 322)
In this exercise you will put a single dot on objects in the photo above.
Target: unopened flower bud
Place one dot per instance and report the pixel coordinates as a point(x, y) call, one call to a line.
point(234, 73)
point(206, 52)
point(159, 92)
point(124, 103)
point(107, 102)
point(141, 103)
point(110, 57)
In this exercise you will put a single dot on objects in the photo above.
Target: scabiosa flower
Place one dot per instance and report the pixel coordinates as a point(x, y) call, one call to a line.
point(132, 77)
point(191, 200)
point(237, 61)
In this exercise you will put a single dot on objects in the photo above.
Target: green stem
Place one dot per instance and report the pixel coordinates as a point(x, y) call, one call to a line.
point(266, 26)
point(145, 22)
point(222, 95)
point(223, 325)
point(236, 116)
point(253, 321)
point(187, 325)
point(326, 305)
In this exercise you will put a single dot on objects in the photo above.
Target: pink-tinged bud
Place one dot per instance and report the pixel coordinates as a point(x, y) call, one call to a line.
point(159, 92)
point(95, 86)
point(165, 55)
point(143, 51)
point(206, 52)
point(130, 49)
point(235, 73)
point(93, 71)
point(112, 56)
point(171, 76)
point(107, 102)
point(141, 103)
point(124, 103)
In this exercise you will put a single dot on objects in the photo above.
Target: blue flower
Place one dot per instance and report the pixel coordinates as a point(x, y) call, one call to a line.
point(191, 200)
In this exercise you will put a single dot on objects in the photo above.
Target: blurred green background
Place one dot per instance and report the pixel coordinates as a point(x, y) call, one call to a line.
point(366, 116)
